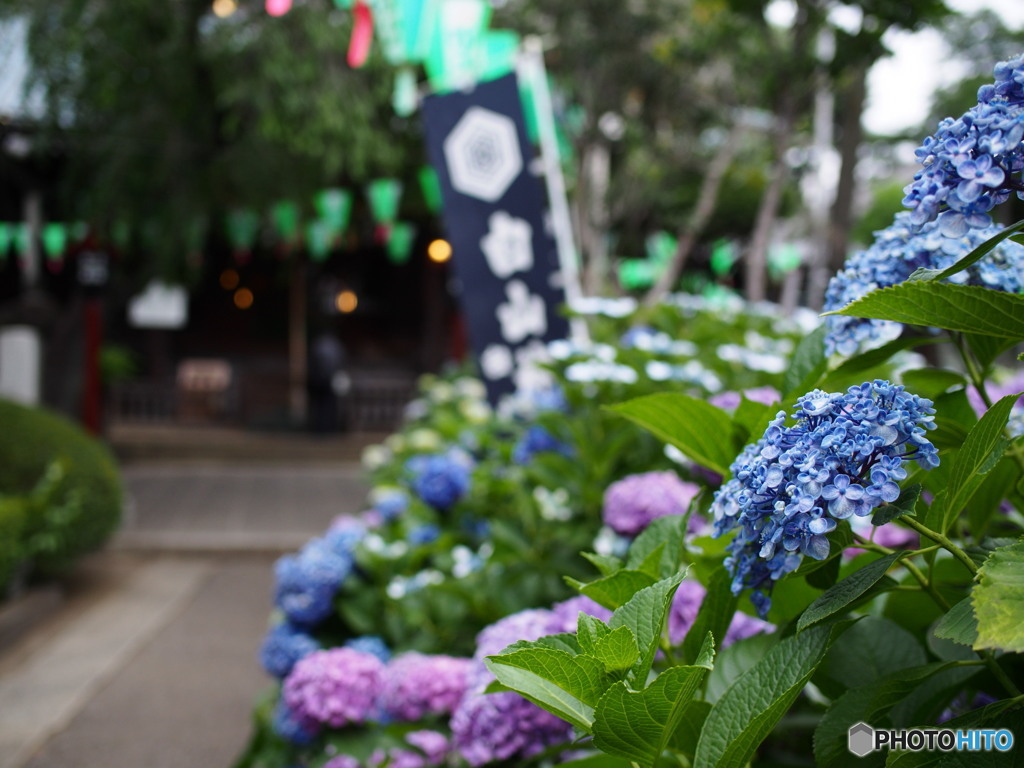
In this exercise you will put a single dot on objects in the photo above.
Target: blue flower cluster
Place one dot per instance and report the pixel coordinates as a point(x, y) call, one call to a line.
point(538, 440)
point(306, 582)
point(973, 163)
point(895, 253)
point(371, 644)
point(284, 645)
point(844, 456)
point(440, 480)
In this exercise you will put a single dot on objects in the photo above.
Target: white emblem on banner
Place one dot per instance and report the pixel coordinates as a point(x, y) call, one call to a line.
point(529, 375)
point(483, 155)
point(496, 362)
point(508, 245)
point(523, 314)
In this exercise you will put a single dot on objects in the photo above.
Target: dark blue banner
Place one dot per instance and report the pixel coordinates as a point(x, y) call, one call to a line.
point(494, 212)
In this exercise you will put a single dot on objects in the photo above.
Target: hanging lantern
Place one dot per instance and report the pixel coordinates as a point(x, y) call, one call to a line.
point(319, 239)
point(20, 236)
point(723, 256)
point(346, 4)
point(384, 195)
point(242, 227)
point(454, 53)
point(400, 242)
point(55, 240)
point(430, 186)
point(334, 207)
point(278, 7)
point(362, 35)
point(404, 98)
point(285, 217)
point(660, 246)
point(5, 240)
point(636, 273)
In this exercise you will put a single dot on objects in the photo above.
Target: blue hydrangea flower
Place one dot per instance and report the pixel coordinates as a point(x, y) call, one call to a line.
point(389, 501)
point(844, 456)
point(284, 645)
point(538, 440)
point(293, 727)
point(427, 533)
point(895, 253)
point(371, 644)
point(439, 480)
point(973, 163)
point(307, 582)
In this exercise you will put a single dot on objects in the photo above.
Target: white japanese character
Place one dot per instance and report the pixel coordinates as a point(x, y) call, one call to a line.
point(496, 361)
point(523, 314)
point(508, 245)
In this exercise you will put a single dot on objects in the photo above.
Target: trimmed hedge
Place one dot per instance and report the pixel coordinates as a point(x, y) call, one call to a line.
point(82, 485)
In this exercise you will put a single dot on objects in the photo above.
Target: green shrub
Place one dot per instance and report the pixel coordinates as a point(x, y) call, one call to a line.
point(12, 548)
point(70, 480)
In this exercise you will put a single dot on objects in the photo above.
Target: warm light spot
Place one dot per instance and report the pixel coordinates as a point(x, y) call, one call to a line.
point(278, 7)
point(243, 298)
point(346, 301)
point(229, 279)
point(439, 251)
point(224, 8)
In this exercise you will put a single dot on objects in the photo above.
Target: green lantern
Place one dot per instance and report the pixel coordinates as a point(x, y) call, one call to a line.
point(400, 242)
point(636, 273)
point(497, 53)
point(430, 186)
point(660, 246)
point(384, 196)
point(55, 240)
point(347, 4)
point(21, 236)
point(334, 206)
point(723, 256)
point(285, 215)
point(404, 98)
point(319, 239)
point(456, 42)
point(242, 227)
point(6, 236)
point(783, 259)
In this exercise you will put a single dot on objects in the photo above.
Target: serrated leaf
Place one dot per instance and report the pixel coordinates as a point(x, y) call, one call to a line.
point(693, 426)
point(982, 448)
point(565, 641)
point(988, 498)
point(904, 505)
point(651, 565)
point(614, 590)
point(965, 308)
point(667, 533)
point(617, 650)
point(567, 686)
point(959, 624)
point(850, 371)
point(870, 650)
point(605, 564)
point(639, 725)
point(715, 614)
point(975, 255)
point(869, 704)
point(589, 631)
point(998, 600)
point(644, 615)
point(747, 712)
point(825, 577)
point(847, 591)
point(931, 382)
point(807, 365)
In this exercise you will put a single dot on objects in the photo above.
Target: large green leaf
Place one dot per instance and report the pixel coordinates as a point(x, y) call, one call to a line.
point(807, 365)
point(959, 624)
point(965, 308)
point(639, 725)
point(693, 426)
point(617, 650)
point(667, 533)
point(847, 591)
point(747, 712)
point(715, 614)
point(976, 255)
point(982, 448)
point(870, 650)
point(616, 589)
point(565, 685)
point(644, 615)
point(998, 600)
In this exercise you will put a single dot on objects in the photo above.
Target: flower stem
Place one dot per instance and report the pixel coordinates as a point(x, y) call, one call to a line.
point(942, 541)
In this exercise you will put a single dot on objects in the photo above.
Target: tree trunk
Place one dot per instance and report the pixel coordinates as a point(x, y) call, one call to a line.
point(707, 199)
point(595, 171)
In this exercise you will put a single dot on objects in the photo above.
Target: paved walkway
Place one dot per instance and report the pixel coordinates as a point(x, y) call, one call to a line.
point(151, 658)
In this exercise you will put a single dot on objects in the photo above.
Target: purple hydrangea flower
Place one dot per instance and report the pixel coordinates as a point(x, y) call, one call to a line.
point(633, 502)
point(530, 624)
point(342, 761)
point(371, 644)
point(335, 687)
point(565, 615)
point(538, 440)
point(501, 726)
point(730, 400)
point(416, 685)
point(439, 480)
point(789, 489)
point(283, 646)
point(432, 749)
point(683, 613)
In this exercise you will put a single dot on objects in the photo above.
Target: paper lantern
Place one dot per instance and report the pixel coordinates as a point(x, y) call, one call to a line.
point(5, 240)
point(278, 7)
point(430, 186)
point(362, 35)
point(242, 227)
point(404, 98)
point(334, 206)
point(400, 242)
point(636, 273)
point(723, 256)
point(55, 240)
point(660, 246)
point(384, 196)
point(319, 239)
point(285, 216)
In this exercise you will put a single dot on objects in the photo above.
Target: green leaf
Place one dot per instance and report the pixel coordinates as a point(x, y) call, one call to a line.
point(736, 660)
point(998, 600)
point(966, 308)
point(850, 372)
point(993, 716)
point(973, 257)
point(807, 365)
point(615, 590)
point(750, 420)
point(589, 631)
point(567, 686)
point(847, 591)
point(644, 615)
point(904, 505)
point(959, 624)
point(986, 348)
point(826, 576)
point(986, 501)
point(639, 725)
point(617, 650)
point(715, 614)
point(869, 704)
point(666, 534)
point(931, 382)
point(565, 641)
point(605, 564)
point(982, 448)
point(693, 426)
point(596, 760)
point(870, 650)
point(747, 712)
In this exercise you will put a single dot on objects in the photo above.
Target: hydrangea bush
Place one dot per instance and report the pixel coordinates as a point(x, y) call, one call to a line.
point(783, 532)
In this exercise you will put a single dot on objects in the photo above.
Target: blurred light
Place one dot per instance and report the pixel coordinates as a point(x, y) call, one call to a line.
point(439, 251)
point(224, 8)
point(229, 279)
point(278, 7)
point(243, 298)
point(346, 301)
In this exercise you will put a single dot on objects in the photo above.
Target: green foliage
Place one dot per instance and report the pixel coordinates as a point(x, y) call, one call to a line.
point(78, 504)
point(998, 599)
